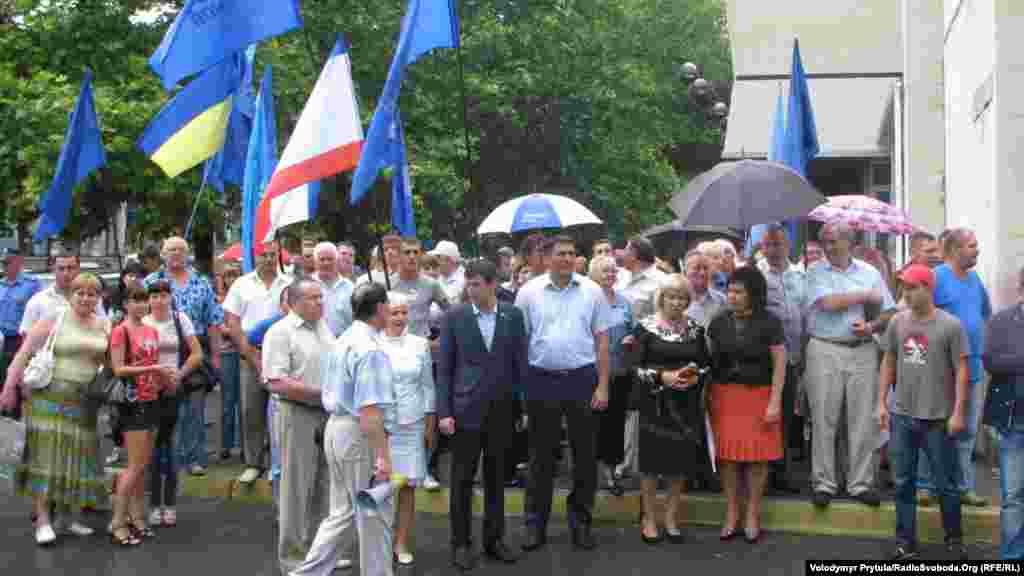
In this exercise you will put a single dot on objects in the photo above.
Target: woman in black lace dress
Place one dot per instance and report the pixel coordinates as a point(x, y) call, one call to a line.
point(668, 354)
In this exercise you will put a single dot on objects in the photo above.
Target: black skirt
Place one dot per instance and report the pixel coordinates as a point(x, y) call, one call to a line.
point(137, 416)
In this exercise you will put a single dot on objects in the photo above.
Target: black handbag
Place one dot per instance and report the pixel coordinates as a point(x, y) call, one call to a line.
point(205, 376)
point(118, 389)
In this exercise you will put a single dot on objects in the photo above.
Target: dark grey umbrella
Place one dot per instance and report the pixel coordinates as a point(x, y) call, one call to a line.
point(745, 193)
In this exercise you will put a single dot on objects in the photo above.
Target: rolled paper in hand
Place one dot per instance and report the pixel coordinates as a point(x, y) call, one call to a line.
point(370, 499)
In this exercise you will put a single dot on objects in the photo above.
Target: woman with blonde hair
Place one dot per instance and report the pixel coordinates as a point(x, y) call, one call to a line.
point(413, 380)
point(61, 468)
point(668, 356)
point(612, 426)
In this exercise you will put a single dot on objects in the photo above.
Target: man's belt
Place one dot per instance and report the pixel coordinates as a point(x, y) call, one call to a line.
point(559, 373)
point(844, 343)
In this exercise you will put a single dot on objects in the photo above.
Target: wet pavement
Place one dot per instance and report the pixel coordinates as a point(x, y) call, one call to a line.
point(214, 537)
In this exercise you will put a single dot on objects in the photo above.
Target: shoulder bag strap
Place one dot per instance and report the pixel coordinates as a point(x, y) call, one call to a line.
point(182, 344)
point(51, 338)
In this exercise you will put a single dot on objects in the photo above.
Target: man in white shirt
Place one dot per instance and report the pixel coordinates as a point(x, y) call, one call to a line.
point(291, 370)
point(337, 290)
point(392, 257)
point(46, 304)
point(453, 276)
point(254, 297)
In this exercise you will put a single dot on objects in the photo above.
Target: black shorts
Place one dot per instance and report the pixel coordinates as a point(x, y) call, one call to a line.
point(137, 416)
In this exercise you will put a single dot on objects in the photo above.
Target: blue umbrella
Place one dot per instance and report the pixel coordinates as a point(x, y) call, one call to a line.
point(536, 211)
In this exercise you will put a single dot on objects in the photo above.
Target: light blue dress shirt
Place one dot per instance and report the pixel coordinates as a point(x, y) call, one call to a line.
point(786, 293)
point(355, 372)
point(706, 308)
point(486, 321)
point(338, 304)
point(825, 280)
point(14, 296)
point(562, 322)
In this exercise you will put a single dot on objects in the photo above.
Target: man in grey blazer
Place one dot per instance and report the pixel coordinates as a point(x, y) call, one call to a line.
point(483, 355)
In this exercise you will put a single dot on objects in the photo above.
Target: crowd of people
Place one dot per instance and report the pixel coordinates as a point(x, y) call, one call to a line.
point(706, 374)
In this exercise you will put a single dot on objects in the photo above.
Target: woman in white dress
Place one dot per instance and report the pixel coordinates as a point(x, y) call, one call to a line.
point(414, 397)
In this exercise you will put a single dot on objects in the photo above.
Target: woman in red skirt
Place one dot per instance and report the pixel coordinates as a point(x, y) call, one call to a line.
point(749, 369)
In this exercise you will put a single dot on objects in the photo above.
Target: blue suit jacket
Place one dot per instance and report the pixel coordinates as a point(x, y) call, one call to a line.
point(469, 377)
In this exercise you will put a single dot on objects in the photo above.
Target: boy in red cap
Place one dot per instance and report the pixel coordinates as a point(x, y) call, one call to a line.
point(926, 358)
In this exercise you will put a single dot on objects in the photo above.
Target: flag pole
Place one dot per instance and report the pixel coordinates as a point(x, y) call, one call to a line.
point(195, 207)
point(465, 105)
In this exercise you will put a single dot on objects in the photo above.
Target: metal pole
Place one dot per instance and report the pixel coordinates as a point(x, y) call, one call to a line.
point(195, 207)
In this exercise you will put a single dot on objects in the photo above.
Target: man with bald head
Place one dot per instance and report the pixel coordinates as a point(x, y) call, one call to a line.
point(193, 295)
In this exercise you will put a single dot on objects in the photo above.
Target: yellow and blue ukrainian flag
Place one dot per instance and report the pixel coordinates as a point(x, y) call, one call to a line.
point(192, 126)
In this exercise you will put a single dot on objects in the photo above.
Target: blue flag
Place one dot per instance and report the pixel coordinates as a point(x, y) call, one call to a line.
point(81, 154)
point(259, 165)
point(402, 218)
point(206, 32)
point(801, 144)
point(228, 164)
point(427, 24)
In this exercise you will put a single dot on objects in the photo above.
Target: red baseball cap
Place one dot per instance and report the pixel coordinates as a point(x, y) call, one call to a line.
point(918, 274)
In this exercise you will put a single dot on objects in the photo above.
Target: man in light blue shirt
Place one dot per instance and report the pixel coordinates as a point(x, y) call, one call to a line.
point(707, 302)
point(16, 289)
point(337, 289)
point(842, 364)
point(567, 318)
point(356, 390)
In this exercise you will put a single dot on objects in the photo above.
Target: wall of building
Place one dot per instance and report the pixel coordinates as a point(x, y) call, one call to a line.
point(836, 36)
point(984, 76)
point(923, 113)
point(1009, 119)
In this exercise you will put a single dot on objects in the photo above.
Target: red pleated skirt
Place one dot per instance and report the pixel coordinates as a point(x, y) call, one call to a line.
point(741, 433)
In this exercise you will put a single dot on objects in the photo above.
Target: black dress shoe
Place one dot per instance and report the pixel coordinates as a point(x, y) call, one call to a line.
point(500, 553)
point(868, 498)
point(582, 537)
point(463, 558)
point(535, 538)
point(822, 499)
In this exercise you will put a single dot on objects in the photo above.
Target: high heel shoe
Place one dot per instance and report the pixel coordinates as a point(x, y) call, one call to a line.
point(650, 540)
point(752, 536)
point(123, 536)
point(727, 534)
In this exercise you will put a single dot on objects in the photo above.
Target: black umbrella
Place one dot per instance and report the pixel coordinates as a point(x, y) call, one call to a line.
point(745, 193)
point(673, 239)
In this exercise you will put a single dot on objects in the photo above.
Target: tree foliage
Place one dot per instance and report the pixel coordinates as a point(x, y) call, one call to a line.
point(579, 97)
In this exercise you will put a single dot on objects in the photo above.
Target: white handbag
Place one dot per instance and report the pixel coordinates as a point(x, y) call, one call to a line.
point(39, 371)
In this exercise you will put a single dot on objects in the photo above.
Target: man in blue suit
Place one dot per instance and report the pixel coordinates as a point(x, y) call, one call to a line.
point(483, 355)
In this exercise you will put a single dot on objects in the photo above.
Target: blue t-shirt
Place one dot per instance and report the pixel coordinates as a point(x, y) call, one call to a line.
point(259, 331)
point(968, 300)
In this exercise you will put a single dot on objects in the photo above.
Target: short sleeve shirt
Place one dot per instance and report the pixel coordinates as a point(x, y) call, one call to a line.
point(169, 336)
point(195, 298)
point(251, 300)
point(927, 356)
point(562, 322)
point(424, 292)
point(968, 300)
point(826, 280)
point(14, 297)
point(45, 305)
point(292, 349)
point(337, 304)
point(145, 351)
point(355, 373)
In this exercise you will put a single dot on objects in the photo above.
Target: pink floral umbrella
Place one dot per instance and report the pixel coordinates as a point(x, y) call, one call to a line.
point(865, 214)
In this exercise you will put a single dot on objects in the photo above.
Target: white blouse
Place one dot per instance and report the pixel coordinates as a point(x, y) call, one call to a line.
point(411, 368)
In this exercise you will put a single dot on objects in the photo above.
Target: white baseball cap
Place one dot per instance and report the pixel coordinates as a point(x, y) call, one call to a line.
point(446, 248)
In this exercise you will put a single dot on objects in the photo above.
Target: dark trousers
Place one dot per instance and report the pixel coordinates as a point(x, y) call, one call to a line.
point(466, 446)
point(612, 422)
point(783, 468)
point(163, 469)
point(545, 433)
point(10, 348)
point(909, 438)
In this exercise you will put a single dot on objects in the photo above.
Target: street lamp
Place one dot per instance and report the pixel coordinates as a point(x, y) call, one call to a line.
point(702, 93)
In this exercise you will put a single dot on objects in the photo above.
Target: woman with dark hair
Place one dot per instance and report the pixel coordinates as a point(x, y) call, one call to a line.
point(749, 368)
point(163, 469)
point(131, 273)
point(134, 356)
